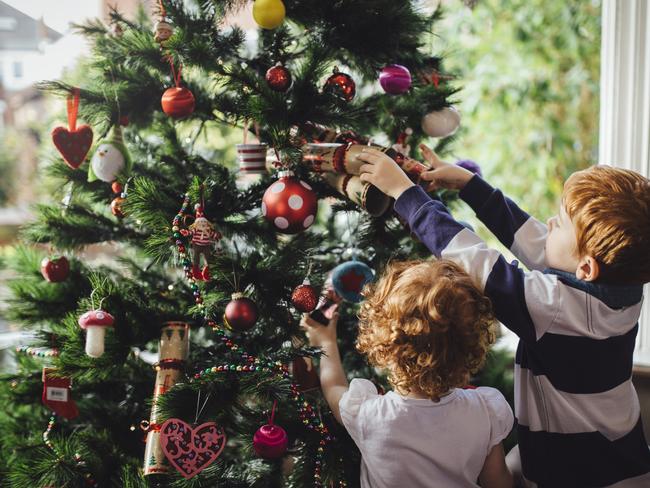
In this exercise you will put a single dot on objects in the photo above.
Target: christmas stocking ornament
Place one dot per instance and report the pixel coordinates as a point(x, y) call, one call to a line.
point(74, 142)
point(57, 395)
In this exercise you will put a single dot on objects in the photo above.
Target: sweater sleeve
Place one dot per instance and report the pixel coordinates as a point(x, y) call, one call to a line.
point(524, 235)
point(504, 283)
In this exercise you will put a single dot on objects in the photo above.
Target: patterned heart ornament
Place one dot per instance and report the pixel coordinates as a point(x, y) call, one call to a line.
point(191, 450)
point(73, 145)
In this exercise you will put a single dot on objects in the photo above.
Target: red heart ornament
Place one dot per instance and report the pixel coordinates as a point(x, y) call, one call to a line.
point(190, 450)
point(73, 145)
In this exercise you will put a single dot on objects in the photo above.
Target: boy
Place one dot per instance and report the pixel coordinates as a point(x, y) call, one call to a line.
point(575, 312)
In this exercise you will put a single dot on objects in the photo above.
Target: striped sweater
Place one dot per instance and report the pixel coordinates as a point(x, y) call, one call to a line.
point(577, 411)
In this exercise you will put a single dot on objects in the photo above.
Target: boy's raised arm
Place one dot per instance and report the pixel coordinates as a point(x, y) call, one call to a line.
point(524, 235)
point(514, 294)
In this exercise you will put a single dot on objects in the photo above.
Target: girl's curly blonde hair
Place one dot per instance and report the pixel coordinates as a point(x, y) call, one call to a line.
point(428, 324)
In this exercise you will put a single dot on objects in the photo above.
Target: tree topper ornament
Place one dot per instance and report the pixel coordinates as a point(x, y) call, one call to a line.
point(203, 236)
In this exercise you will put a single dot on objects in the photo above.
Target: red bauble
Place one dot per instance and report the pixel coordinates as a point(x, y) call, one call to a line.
point(304, 297)
point(116, 207)
point(279, 78)
point(270, 441)
point(290, 204)
point(341, 85)
point(241, 312)
point(55, 270)
point(177, 102)
point(116, 187)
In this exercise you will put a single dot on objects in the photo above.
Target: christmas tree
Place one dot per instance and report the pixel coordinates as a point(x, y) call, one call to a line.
point(209, 264)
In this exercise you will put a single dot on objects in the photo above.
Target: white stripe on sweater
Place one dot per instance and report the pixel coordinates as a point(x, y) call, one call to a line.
point(540, 407)
point(529, 244)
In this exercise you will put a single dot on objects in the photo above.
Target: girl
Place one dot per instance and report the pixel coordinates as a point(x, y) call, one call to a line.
point(430, 327)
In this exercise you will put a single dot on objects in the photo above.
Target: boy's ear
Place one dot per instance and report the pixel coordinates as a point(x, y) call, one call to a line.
point(588, 269)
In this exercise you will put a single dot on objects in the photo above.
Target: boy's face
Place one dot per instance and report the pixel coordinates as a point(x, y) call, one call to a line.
point(561, 243)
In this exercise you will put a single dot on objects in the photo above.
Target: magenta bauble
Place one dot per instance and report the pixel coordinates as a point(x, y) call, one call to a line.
point(290, 204)
point(395, 79)
point(270, 441)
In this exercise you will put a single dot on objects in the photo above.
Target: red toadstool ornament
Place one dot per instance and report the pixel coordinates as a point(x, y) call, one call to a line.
point(290, 204)
point(95, 323)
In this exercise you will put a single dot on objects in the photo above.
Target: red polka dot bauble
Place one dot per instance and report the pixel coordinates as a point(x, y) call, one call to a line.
point(304, 297)
point(241, 313)
point(290, 204)
point(278, 78)
point(341, 85)
point(177, 102)
point(270, 441)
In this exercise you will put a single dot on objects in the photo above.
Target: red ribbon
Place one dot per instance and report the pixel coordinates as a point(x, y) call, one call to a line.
point(176, 74)
point(272, 416)
point(163, 12)
point(73, 107)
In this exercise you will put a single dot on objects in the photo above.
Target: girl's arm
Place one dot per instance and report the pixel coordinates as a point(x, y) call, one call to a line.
point(495, 473)
point(332, 376)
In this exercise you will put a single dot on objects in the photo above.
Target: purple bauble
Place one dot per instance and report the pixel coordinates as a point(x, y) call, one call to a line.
point(470, 165)
point(395, 79)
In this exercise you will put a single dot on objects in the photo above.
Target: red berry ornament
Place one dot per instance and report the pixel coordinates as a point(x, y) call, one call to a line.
point(279, 78)
point(55, 270)
point(304, 297)
point(241, 312)
point(341, 85)
point(270, 441)
point(177, 102)
point(290, 204)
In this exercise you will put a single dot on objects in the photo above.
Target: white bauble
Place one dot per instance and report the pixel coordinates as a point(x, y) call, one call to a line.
point(441, 123)
point(108, 161)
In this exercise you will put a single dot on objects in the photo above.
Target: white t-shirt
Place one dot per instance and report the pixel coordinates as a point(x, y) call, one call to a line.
point(417, 443)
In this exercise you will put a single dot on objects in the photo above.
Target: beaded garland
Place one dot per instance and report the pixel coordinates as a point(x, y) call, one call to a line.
point(251, 363)
point(182, 251)
point(41, 353)
point(90, 481)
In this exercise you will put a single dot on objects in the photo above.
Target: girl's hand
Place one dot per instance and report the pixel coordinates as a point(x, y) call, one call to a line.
point(319, 334)
point(381, 171)
point(443, 175)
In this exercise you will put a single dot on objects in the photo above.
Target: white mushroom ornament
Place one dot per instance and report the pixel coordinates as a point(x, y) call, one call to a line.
point(95, 323)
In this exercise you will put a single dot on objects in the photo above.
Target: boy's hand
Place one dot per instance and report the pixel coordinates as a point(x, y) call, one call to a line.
point(381, 171)
point(443, 175)
point(319, 334)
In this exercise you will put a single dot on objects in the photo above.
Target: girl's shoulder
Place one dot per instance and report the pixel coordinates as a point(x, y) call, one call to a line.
point(497, 408)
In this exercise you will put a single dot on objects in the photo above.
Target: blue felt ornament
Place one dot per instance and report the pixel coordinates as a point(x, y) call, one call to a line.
point(349, 278)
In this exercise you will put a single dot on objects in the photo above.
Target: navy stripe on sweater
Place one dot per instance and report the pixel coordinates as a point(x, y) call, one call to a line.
point(500, 214)
point(582, 460)
point(578, 364)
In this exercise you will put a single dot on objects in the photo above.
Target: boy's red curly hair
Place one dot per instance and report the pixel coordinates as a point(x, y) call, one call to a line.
point(428, 324)
point(610, 210)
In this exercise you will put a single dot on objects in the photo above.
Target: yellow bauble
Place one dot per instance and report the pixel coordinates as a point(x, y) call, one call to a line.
point(268, 13)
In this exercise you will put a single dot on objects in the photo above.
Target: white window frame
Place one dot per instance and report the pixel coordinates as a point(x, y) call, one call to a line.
point(625, 108)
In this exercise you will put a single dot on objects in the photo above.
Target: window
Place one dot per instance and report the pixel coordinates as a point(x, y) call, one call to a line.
point(18, 69)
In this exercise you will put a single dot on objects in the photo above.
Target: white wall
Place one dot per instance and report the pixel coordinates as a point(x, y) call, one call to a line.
point(625, 107)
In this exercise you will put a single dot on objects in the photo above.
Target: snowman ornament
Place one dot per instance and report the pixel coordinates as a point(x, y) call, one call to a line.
point(110, 159)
